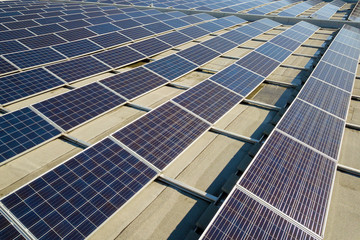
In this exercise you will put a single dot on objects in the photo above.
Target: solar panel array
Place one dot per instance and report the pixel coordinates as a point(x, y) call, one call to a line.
point(355, 13)
point(292, 175)
point(299, 8)
point(328, 10)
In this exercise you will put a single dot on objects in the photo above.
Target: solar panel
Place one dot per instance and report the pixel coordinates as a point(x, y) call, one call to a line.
point(77, 48)
point(174, 38)
point(7, 229)
point(11, 46)
point(290, 33)
point(210, 26)
point(42, 41)
point(208, 100)
point(292, 178)
point(119, 57)
point(133, 83)
point(150, 46)
point(14, 34)
point(204, 16)
point(17, 86)
point(224, 23)
point(258, 63)
point(158, 27)
point(191, 19)
point(104, 28)
point(242, 217)
point(136, 14)
point(162, 134)
point(331, 74)
point(345, 49)
point(74, 108)
point(248, 30)
point(136, 33)
point(110, 39)
point(146, 20)
point(33, 58)
point(74, 24)
point(20, 24)
point(117, 17)
point(78, 69)
point(236, 37)
point(94, 14)
point(198, 54)
point(285, 42)
point(341, 61)
point(162, 16)
point(73, 17)
point(51, 28)
point(21, 130)
point(313, 127)
point(73, 199)
point(176, 23)
point(194, 32)
point(76, 34)
point(326, 97)
point(219, 44)
point(171, 67)
point(177, 14)
point(238, 79)
point(49, 20)
point(127, 23)
point(273, 51)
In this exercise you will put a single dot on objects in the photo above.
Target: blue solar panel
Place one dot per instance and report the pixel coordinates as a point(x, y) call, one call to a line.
point(17, 86)
point(119, 57)
point(162, 134)
point(136, 33)
point(75, 24)
point(150, 46)
point(250, 31)
point(238, 79)
point(110, 39)
point(76, 197)
point(136, 14)
point(77, 48)
point(11, 46)
point(205, 16)
point(33, 58)
point(174, 38)
point(74, 108)
point(51, 28)
point(104, 28)
point(14, 34)
point(219, 44)
point(194, 32)
point(76, 34)
point(94, 14)
point(117, 17)
point(258, 63)
point(292, 178)
point(74, 17)
point(49, 20)
point(345, 49)
point(127, 23)
point(191, 19)
point(162, 16)
point(242, 217)
point(285, 42)
point(313, 127)
point(146, 20)
point(210, 26)
point(176, 23)
point(158, 27)
point(21, 24)
point(198, 54)
point(7, 229)
point(42, 41)
point(290, 33)
point(133, 83)
point(208, 100)
point(224, 23)
point(236, 37)
point(273, 51)
point(171, 67)
point(78, 69)
point(341, 61)
point(22, 130)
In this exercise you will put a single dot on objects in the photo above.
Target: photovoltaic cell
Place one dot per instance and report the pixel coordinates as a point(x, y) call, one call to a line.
point(273, 51)
point(76, 197)
point(73, 108)
point(171, 67)
point(335, 76)
point(136, 33)
point(326, 97)
point(7, 230)
point(162, 134)
point(236, 37)
point(77, 69)
point(242, 217)
point(258, 63)
point(238, 79)
point(11, 46)
point(33, 58)
point(292, 178)
point(134, 83)
point(17, 86)
point(42, 41)
point(119, 57)
point(194, 32)
point(313, 127)
point(76, 34)
point(198, 54)
point(174, 38)
point(208, 100)
point(77, 48)
point(150, 46)
point(21, 130)
point(219, 44)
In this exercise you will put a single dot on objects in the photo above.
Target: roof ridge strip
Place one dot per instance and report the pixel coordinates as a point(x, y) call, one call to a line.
point(277, 211)
point(15, 222)
point(188, 111)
